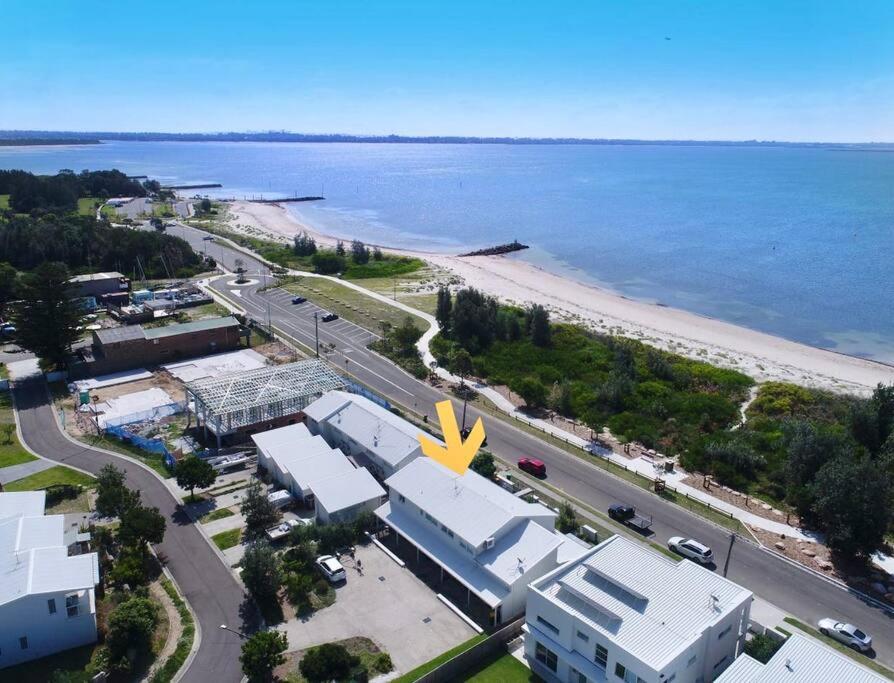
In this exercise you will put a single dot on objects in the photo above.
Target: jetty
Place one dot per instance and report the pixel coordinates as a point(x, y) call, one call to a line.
point(282, 200)
point(515, 245)
point(191, 187)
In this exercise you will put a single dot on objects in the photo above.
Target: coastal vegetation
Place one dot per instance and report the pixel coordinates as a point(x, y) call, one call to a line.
point(60, 193)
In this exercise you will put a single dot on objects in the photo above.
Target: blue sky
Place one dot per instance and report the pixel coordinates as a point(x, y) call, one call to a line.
point(821, 70)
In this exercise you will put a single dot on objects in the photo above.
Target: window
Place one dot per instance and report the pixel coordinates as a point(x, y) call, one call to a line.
point(72, 605)
point(583, 636)
point(626, 675)
point(549, 626)
point(692, 660)
point(724, 632)
point(671, 678)
point(720, 663)
point(23, 642)
point(546, 657)
point(51, 605)
point(620, 670)
point(577, 676)
point(401, 498)
point(601, 657)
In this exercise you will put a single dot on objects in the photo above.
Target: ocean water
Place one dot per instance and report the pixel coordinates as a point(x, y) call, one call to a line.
point(797, 242)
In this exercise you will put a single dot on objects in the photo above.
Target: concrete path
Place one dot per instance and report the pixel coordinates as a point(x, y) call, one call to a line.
point(13, 472)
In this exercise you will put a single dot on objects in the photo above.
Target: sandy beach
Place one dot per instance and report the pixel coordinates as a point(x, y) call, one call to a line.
point(762, 356)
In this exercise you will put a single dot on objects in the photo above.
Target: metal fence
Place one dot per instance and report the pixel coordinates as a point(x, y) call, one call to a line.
point(355, 388)
point(118, 428)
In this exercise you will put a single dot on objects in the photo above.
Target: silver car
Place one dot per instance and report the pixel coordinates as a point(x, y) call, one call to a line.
point(845, 633)
point(692, 549)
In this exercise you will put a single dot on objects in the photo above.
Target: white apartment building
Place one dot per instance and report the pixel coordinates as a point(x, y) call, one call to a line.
point(364, 430)
point(47, 597)
point(624, 612)
point(491, 542)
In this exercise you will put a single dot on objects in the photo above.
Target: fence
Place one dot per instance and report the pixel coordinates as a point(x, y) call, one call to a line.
point(453, 669)
point(117, 427)
point(151, 414)
point(355, 388)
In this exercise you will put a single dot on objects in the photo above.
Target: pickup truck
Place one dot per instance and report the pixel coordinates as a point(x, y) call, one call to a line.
point(627, 515)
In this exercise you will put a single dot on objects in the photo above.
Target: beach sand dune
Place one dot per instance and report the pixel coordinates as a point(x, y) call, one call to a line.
point(762, 356)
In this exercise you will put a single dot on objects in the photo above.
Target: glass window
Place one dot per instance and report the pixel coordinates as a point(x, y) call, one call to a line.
point(720, 663)
point(23, 642)
point(577, 676)
point(583, 636)
point(692, 660)
point(620, 670)
point(601, 657)
point(546, 657)
point(724, 632)
point(549, 626)
point(72, 605)
point(51, 605)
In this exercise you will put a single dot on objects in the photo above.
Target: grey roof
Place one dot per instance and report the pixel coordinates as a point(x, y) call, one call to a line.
point(90, 277)
point(800, 660)
point(114, 335)
point(649, 605)
point(469, 505)
point(22, 503)
point(194, 326)
point(344, 491)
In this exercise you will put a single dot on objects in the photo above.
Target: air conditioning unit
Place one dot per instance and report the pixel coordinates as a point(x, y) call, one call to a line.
point(489, 543)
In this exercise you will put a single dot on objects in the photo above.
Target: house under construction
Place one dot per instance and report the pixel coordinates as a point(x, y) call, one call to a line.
point(257, 400)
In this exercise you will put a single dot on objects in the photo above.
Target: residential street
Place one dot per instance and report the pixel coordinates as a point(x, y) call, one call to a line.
point(803, 594)
point(209, 587)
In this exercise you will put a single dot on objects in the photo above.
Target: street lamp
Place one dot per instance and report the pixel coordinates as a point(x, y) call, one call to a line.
point(224, 627)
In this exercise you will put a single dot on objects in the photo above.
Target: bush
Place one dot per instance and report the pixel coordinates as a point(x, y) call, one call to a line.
point(382, 663)
point(131, 625)
point(327, 662)
point(321, 587)
point(328, 263)
point(762, 647)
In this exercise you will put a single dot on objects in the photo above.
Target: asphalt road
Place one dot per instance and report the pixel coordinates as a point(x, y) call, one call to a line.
point(212, 592)
point(774, 579)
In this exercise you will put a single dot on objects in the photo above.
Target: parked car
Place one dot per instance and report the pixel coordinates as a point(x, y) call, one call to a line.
point(532, 466)
point(845, 633)
point(298, 299)
point(464, 433)
point(331, 568)
point(329, 317)
point(628, 515)
point(285, 527)
point(691, 549)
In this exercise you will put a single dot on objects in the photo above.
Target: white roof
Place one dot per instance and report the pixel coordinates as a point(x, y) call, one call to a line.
point(34, 559)
point(281, 438)
point(22, 503)
point(380, 431)
point(96, 276)
point(799, 660)
point(344, 491)
point(307, 459)
point(469, 505)
point(649, 605)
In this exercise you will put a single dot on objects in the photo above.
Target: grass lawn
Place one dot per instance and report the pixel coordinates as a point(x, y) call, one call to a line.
point(227, 539)
point(212, 310)
point(843, 649)
point(222, 513)
point(503, 668)
point(4, 201)
point(81, 503)
point(153, 460)
point(87, 206)
point(406, 286)
point(350, 304)
point(4, 371)
point(55, 475)
point(13, 453)
point(440, 659)
point(41, 670)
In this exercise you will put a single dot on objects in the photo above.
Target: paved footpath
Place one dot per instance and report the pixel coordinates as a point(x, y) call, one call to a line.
point(211, 590)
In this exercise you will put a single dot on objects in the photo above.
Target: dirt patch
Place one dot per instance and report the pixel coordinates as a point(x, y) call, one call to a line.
point(356, 646)
point(742, 501)
point(277, 352)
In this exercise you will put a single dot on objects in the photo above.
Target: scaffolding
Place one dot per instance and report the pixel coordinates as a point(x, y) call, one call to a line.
point(230, 403)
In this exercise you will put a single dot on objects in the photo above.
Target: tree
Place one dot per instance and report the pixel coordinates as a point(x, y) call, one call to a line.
point(261, 571)
point(327, 662)
point(567, 519)
point(205, 205)
point(359, 253)
point(377, 254)
point(192, 472)
point(113, 498)
point(538, 325)
point(762, 647)
point(131, 625)
point(732, 456)
point(261, 654)
point(851, 504)
point(443, 309)
point(141, 525)
point(46, 317)
point(339, 248)
point(406, 335)
point(130, 568)
point(531, 390)
point(461, 363)
point(305, 245)
point(328, 263)
point(8, 285)
point(157, 223)
point(483, 464)
point(260, 514)
point(559, 398)
point(473, 320)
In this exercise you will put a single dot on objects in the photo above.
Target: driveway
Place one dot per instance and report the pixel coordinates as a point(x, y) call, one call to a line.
point(388, 605)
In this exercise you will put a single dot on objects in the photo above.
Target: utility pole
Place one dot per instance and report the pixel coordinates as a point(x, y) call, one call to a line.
point(316, 334)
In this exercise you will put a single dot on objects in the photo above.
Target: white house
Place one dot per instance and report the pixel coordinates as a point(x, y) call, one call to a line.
point(493, 543)
point(47, 598)
point(364, 430)
point(800, 660)
point(317, 474)
point(624, 612)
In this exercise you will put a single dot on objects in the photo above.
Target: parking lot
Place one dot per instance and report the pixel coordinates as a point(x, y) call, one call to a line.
point(367, 605)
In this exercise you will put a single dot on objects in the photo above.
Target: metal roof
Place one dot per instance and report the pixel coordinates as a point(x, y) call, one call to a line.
point(89, 277)
point(378, 430)
point(22, 503)
point(193, 326)
point(649, 605)
point(244, 398)
point(114, 335)
point(344, 491)
point(469, 505)
point(800, 660)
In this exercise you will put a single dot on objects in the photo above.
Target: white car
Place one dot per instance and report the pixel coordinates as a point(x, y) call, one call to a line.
point(332, 568)
point(692, 549)
point(845, 633)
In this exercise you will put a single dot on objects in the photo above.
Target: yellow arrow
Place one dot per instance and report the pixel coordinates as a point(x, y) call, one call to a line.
point(458, 453)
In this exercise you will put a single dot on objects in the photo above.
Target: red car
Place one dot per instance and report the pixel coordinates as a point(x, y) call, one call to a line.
point(532, 466)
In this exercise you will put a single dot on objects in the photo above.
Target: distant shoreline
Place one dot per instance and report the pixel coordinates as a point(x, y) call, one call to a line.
point(42, 142)
point(762, 356)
